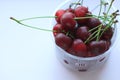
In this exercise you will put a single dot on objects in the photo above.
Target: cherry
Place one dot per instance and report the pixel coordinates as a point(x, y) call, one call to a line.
point(67, 19)
point(79, 47)
point(107, 35)
point(77, 31)
point(58, 14)
point(70, 10)
point(58, 28)
point(81, 11)
point(63, 41)
point(71, 51)
point(93, 22)
point(98, 47)
point(83, 33)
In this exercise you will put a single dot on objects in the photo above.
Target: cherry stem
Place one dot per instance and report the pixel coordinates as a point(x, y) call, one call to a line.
point(33, 27)
point(71, 5)
point(38, 17)
point(100, 7)
point(106, 19)
point(82, 2)
point(77, 18)
point(98, 33)
point(110, 6)
point(68, 34)
point(105, 5)
point(108, 10)
point(108, 25)
point(94, 28)
point(91, 36)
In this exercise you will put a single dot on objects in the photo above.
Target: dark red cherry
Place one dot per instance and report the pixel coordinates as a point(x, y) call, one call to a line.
point(98, 47)
point(81, 11)
point(79, 47)
point(63, 41)
point(83, 33)
point(93, 22)
point(58, 14)
point(67, 19)
point(58, 28)
point(71, 51)
point(107, 35)
point(70, 10)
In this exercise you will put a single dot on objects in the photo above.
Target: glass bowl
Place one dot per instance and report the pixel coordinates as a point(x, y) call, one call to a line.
point(80, 63)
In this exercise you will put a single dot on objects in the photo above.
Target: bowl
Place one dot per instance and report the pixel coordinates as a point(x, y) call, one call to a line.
point(83, 63)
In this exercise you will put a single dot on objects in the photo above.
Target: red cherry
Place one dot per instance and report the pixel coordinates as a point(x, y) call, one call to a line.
point(83, 33)
point(81, 11)
point(67, 19)
point(70, 10)
point(58, 28)
point(71, 51)
point(79, 47)
point(59, 13)
point(98, 47)
point(107, 35)
point(63, 41)
point(93, 22)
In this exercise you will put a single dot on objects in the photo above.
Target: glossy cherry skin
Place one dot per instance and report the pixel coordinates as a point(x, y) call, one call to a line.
point(79, 48)
point(58, 28)
point(81, 11)
point(69, 10)
point(58, 14)
point(63, 41)
point(107, 35)
point(98, 47)
point(83, 33)
point(67, 19)
point(93, 22)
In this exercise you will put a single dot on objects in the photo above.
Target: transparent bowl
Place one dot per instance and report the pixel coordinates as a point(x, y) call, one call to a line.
point(80, 63)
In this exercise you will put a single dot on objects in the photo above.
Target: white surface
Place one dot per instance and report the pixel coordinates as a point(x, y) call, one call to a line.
point(28, 54)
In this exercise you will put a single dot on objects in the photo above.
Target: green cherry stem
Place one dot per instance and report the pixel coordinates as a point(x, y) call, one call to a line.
point(90, 37)
point(33, 27)
point(78, 3)
point(38, 17)
point(93, 29)
point(98, 33)
point(91, 16)
point(110, 6)
point(76, 18)
point(72, 4)
point(108, 25)
point(100, 7)
point(108, 10)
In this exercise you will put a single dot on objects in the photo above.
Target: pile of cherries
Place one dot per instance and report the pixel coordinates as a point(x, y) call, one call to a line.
point(76, 32)
point(79, 32)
